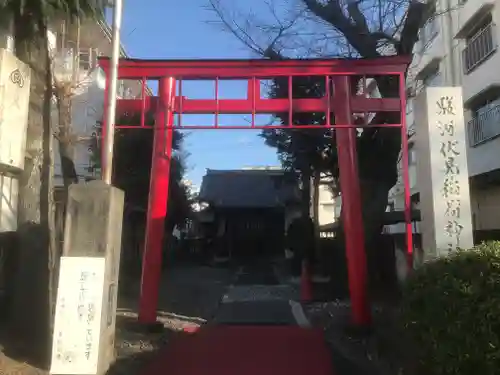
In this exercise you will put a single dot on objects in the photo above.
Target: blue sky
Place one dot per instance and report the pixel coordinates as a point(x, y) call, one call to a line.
point(170, 29)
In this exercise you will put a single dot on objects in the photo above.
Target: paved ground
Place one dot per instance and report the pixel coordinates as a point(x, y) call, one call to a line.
point(193, 296)
point(256, 329)
point(256, 297)
point(253, 293)
point(245, 350)
point(189, 296)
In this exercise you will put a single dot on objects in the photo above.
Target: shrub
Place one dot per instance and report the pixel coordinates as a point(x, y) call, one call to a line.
point(451, 313)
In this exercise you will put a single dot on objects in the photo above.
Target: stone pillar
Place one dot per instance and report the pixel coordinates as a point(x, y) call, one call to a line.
point(442, 173)
point(84, 328)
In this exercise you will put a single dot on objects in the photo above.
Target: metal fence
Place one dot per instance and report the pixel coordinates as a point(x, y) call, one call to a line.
point(479, 48)
point(484, 127)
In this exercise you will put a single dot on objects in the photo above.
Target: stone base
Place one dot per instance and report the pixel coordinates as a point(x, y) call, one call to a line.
point(139, 327)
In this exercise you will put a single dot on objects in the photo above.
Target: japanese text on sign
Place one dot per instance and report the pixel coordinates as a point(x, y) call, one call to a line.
point(449, 152)
point(78, 312)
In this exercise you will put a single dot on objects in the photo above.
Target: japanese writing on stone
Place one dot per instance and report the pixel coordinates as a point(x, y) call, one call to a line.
point(86, 311)
point(449, 153)
point(85, 314)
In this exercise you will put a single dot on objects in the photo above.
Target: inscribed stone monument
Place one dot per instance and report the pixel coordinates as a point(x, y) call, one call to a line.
point(91, 259)
point(442, 173)
point(75, 347)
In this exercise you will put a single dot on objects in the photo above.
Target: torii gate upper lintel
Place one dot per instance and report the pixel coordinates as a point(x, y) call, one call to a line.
point(338, 100)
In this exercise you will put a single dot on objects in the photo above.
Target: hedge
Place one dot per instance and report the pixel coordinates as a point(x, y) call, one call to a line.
point(451, 313)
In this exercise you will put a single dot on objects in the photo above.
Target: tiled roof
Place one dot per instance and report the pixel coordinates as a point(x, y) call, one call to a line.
point(246, 188)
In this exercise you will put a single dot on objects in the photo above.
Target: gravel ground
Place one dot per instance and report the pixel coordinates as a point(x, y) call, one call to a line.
point(373, 354)
point(189, 296)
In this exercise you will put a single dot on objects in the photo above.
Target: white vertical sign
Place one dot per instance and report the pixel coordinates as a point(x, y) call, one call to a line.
point(443, 177)
point(77, 327)
point(15, 80)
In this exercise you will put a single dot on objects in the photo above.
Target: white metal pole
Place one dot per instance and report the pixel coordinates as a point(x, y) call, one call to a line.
point(112, 88)
point(10, 43)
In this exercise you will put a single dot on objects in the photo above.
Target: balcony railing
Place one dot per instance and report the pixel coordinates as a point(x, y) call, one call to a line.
point(87, 58)
point(70, 63)
point(479, 48)
point(428, 33)
point(484, 127)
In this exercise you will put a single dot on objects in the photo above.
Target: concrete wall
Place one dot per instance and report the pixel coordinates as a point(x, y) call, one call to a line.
point(88, 108)
point(445, 51)
point(485, 205)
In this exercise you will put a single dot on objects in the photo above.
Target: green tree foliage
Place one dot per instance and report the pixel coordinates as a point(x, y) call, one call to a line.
point(302, 150)
point(132, 166)
point(450, 313)
point(333, 28)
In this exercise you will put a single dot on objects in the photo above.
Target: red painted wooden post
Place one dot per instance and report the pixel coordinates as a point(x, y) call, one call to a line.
point(351, 202)
point(157, 203)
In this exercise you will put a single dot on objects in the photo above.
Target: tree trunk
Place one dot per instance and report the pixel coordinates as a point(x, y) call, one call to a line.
point(377, 175)
point(315, 211)
point(305, 176)
point(374, 197)
point(31, 309)
point(66, 141)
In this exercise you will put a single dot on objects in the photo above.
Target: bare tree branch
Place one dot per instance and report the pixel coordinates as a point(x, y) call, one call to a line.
point(358, 17)
point(233, 27)
point(356, 34)
point(415, 19)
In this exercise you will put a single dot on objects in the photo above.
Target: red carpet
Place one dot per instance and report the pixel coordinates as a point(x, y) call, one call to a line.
point(245, 350)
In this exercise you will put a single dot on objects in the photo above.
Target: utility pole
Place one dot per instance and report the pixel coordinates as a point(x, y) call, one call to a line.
point(112, 88)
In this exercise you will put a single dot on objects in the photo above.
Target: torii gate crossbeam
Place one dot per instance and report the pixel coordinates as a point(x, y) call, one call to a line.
point(339, 105)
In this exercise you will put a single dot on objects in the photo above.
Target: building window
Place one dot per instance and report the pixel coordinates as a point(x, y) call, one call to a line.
point(480, 44)
point(485, 124)
point(87, 59)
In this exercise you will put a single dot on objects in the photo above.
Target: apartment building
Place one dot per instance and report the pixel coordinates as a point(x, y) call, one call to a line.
point(76, 50)
point(329, 206)
point(458, 47)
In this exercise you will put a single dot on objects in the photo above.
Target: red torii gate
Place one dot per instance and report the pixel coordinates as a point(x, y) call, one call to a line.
point(338, 100)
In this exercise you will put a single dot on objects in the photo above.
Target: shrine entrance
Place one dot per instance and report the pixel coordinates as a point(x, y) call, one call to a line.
point(345, 107)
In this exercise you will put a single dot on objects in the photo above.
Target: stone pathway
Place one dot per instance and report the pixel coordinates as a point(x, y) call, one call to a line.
point(258, 328)
point(245, 293)
point(257, 297)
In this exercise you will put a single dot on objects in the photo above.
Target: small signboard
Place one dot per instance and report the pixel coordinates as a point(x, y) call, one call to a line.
point(75, 347)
